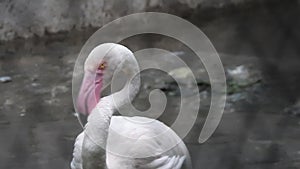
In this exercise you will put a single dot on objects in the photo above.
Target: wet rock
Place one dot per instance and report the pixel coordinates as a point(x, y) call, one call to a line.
point(5, 79)
point(186, 79)
point(63, 15)
point(185, 76)
point(241, 77)
point(181, 73)
point(172, 89)
point(237, 97)
point(244, 75)
point(239, 73)
point(168, 87)
point(203, 86)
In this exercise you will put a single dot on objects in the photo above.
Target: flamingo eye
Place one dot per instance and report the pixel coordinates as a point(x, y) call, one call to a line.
point(102, 66)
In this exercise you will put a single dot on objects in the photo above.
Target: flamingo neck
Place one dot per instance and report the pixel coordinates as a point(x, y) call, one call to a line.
point(99, 120)
point(97, 127)
point(126, 95)
point(100, 117)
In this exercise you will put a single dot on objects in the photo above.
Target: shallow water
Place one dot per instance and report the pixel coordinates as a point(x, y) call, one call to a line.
point(37, 123)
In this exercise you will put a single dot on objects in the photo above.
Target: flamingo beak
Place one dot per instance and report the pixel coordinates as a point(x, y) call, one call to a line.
point(89, 94)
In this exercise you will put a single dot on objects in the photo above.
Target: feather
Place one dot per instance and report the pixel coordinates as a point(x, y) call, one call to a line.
point(130, 142)
point(77, 160)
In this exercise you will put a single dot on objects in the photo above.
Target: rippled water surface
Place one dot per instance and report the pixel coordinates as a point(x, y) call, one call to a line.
point(37, 123)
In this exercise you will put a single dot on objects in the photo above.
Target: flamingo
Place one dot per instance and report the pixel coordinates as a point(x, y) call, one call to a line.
point(143, 150)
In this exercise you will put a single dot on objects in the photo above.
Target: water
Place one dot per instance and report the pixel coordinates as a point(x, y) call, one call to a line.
point(38, 127)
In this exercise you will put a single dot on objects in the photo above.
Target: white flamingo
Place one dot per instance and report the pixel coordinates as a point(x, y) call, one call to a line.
point(88, 152)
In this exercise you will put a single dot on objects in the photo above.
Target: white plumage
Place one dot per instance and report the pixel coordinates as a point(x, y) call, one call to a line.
point(129, 142)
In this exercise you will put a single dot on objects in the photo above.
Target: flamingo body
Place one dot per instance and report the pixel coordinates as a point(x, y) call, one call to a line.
point(118, 142)
point(175, 158)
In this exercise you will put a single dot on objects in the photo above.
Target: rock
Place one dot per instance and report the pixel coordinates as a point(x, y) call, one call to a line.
point(181, 74)
point(244, 75)
point(241, 77)
point(170, 88)
point(239, 73)
point(5, 79)
point(185, 76)
point(54, 16)
point(237, 97)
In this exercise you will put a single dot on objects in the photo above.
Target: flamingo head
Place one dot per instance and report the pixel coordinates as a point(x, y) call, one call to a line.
point(99, 68)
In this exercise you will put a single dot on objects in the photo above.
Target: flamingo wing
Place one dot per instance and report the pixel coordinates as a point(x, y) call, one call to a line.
point(138, 142)
point(77, 160)
point(166, 162)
